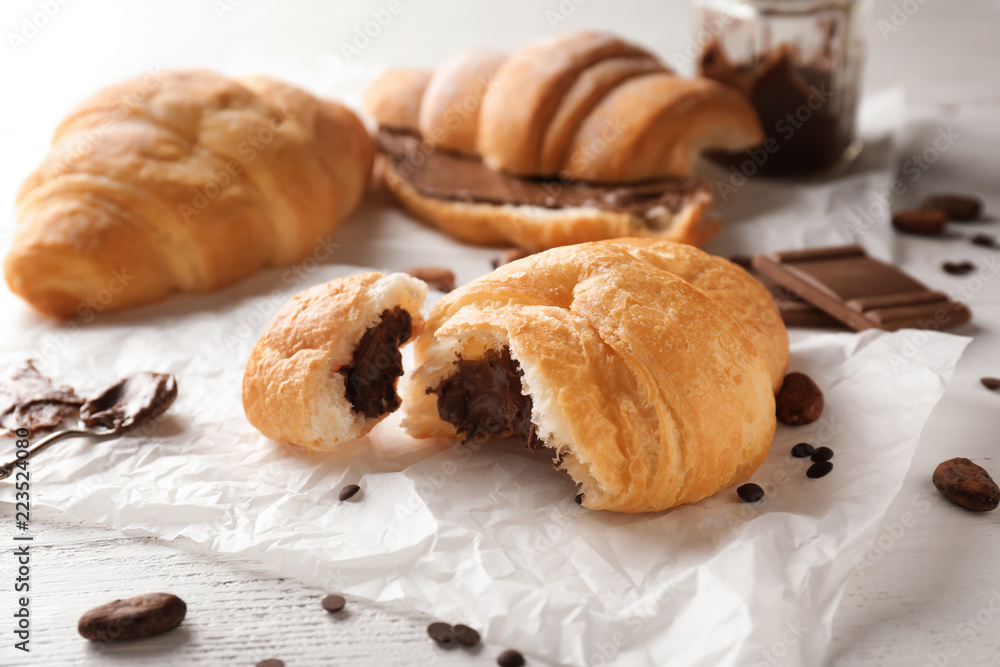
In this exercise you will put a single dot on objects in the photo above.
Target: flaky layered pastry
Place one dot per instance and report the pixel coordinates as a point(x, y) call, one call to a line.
point(182, 181)
point(324, 372)
point(578, 109)
point(647, 367)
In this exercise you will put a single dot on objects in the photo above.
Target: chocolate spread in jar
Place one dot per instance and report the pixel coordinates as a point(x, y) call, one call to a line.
point(29, 400)
point(377, 364)
point(132, 401)
point(808, 121)
point(483, 397)
point(442, 174)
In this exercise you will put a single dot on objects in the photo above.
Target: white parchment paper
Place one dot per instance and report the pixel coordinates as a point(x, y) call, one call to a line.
point(493, 537)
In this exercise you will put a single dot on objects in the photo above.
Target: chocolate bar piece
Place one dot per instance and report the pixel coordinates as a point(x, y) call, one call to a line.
point(860, 291)
point(795, 312)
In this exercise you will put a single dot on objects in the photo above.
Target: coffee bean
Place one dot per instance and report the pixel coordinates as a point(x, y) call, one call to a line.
point(800, 401)
point(135, 618)
point(270, 662)
point(966, 484)
point(333, 602)
point(441, 633)
point(985, 240)
point(961, 208)
point(822, 454)
point(819, 469)
point(510, 658)
point(750, 492)
point(803, 450)
point(436, 277)
point(928, 222)
point(465, 635)
point(990, 383)
point(349, 492)
point(958, 268)
point(509, 256)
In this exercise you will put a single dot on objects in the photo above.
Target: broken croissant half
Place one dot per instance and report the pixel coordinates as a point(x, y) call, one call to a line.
point(324, 372)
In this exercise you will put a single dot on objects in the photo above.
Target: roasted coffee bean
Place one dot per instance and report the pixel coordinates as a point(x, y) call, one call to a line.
point(436, 277)
point(349, 492)
point(135, 618)
point(270, 662)
point(985, 240)
point(510, 658)
point(800, 401)
point(819, 469)
point(465, 635)
point(822, 454)
point(442, 633)
point(960, 208)
point(990, 383)
point(333, 602)
point(958, 268)
point(966, 484)
point(750, 493)
point(509, 256)
point(803, 450)
point(923, 222)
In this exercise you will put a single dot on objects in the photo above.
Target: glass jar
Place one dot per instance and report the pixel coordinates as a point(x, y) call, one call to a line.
point(799, 63)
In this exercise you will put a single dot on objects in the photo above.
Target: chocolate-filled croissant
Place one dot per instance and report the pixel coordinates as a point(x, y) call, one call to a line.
point(648, 367)
point(578, 137)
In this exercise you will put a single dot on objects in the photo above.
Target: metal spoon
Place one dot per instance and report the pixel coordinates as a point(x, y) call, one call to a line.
point(8, 468)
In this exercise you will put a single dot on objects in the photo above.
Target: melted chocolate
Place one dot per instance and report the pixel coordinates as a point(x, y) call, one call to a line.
point(377, 364)
point(808, 125)
point(450, 176)
point(31, 401)
point(483, 398)
point(132, 401)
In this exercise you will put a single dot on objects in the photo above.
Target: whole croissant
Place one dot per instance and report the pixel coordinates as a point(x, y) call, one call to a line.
point(182, 181)
point(648, 367)
point(582, 107)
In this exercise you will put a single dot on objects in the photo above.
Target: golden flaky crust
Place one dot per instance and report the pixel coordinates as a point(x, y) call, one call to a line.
point(182, 181)
point(292, 388)
point(651, 366)
point(537, 228)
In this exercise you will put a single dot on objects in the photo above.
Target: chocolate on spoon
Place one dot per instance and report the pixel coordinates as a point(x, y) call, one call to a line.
point(133, 401)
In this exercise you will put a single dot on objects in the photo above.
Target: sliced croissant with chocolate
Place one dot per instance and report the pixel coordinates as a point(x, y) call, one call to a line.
point(579, 137)
point(325, 370)
point(647, 367)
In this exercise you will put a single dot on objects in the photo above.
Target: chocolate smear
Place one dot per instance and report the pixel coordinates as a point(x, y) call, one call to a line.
point(130, 402)
point(31, 401)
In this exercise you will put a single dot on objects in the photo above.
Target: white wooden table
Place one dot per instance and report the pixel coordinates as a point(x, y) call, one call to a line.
point(929, 593)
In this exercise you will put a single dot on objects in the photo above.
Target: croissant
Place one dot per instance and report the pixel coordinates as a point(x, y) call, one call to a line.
point(325, 369)
point(647, 367)
point(576, 138)
point(182, 181)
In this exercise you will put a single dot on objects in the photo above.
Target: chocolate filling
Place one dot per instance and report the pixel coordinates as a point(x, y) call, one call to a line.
point(377, 364)
point(450, 176)
point(483, 398)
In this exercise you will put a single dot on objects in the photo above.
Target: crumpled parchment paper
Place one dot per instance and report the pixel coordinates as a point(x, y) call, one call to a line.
point(493, 537)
